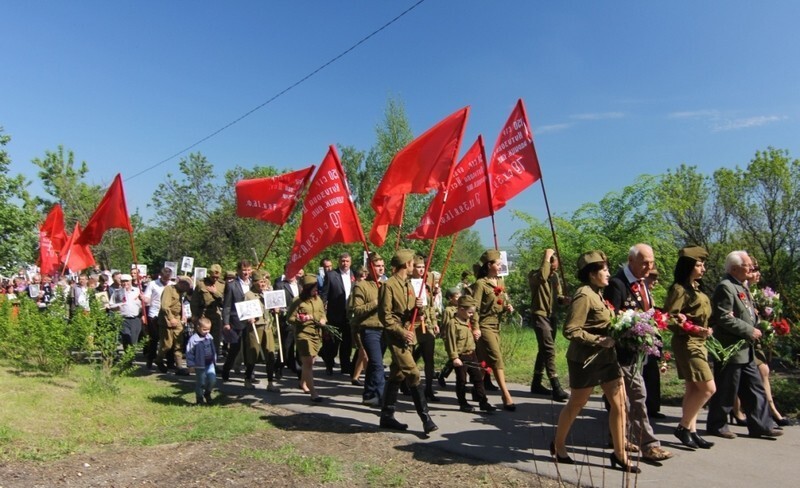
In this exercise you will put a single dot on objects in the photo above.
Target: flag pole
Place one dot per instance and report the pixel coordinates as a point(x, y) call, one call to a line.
point(447, 259)
point(552, 230)
point(400, 227)
point(489, 191)
point(133, 249)
point(436, 232)
point(275, 236)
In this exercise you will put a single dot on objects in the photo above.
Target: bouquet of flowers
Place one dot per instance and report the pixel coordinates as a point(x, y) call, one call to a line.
point(639, 332)
point(768, 303)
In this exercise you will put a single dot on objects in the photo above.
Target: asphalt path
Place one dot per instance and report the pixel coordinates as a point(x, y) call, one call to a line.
point(520, 439)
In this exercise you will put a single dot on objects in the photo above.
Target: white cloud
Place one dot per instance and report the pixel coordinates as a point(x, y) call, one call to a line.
point(745, 122)
point(598, 116)
point(551, 128)
point(695, 114)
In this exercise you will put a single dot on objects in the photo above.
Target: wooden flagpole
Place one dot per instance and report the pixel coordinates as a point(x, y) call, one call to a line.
point(275, 236)
point(489, 191)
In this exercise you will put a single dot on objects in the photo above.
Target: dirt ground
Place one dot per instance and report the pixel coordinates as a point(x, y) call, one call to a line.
point(303, 451)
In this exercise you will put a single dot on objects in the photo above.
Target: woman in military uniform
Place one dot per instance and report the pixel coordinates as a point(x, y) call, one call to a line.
point(692, 310)
point(492, 300)
point(305, 313)
point(592, 360)
point(258, 339)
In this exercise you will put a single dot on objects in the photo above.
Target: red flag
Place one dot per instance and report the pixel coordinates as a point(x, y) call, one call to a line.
point(467, 198)
point(424, 163)
point(76, 256)
point(52, 238)
point(271, 199)
point(391, 214)
point(111, 213)
point(514, 165)
point(329, 215)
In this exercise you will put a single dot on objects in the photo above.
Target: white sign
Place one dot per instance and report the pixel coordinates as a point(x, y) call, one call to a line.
point(199, 274)
point(187, 263)
point(274, 299)
point(503, 264)
point(248, 309)
point(142, 269)
point(173, 266)
point(33, 290)
point(416, 283)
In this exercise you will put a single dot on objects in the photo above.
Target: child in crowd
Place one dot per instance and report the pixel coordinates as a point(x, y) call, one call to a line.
point(202, 356)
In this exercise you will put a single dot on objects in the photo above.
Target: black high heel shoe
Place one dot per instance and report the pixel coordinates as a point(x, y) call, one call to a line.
point(683, 434)
point(782, 422)
point(736, 420)
point(559, 459)
point(701, 443)
point(625, 467)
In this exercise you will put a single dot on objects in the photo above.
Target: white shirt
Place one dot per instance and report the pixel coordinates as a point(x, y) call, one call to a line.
point(127, 302)
point(153, 292)
point(346, 282)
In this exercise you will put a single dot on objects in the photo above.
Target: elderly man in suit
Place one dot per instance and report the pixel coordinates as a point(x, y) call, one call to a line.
point(231, 325)
point(628, 290)
point(335, 292)
point(734, 319)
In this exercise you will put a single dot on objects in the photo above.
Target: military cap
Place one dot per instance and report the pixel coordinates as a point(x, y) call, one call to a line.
point(187, 280)
point(466, 301)
point(490, 255)
point(654, 273)
point(451, 292)
point(401, 257)
point(591, 257)
point(216, 268)
point(309, 280)
point(375, 257)
point(695, 252)
point(258, 275)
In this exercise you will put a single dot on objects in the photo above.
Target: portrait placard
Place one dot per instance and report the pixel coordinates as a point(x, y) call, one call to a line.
point(199, 274)
point(187, 263)
point(248, 309)
point(274, 299)
point(503, 264)
point(172, 265)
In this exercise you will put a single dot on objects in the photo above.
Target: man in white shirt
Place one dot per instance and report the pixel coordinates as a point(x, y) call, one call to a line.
point(152, 299)
point(127, 301)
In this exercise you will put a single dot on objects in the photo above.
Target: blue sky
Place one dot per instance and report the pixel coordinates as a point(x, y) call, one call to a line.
point(613, 89)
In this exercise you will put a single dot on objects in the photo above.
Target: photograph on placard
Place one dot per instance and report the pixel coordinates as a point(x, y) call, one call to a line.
point(187, 263)
point(248, 309)
point(173, 266)
point(199, 274)
point(503, 264)
point(274, 299)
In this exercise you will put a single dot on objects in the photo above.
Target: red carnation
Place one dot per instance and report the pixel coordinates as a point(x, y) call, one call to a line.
point(691, 328)
point(782, 327)
point(667, 356)
point(498, 290)
point(661, 319)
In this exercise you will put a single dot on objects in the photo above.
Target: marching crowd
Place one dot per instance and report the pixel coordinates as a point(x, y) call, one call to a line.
point(356, 313)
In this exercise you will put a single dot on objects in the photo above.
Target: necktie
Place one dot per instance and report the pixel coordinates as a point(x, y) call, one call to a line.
point(645, 296)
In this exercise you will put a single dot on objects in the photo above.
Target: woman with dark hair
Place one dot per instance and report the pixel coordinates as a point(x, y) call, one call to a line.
point(592, 360)
point(305, 312)
point(692, 308)
point(491, 300)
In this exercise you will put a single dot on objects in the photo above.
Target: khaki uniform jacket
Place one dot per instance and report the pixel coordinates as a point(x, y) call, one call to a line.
point(458, 339)
point(587, 323)
point(396, 305)
point(206, 303)
point(306, 329)
point(545, 289)
point(694, 304)
point(490, 305)
point(171, 307)
point(364, 305)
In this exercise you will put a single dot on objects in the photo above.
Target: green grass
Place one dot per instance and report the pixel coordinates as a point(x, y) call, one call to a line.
point(324, 468)
point(44, 418)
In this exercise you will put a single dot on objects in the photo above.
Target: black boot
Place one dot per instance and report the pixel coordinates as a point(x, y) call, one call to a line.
point(387, 412)
point(487, 383)
point(429, 391)
point(537, 388)
point(422, 409)
point(461, 394)
point(444, 373)
point(559, 395)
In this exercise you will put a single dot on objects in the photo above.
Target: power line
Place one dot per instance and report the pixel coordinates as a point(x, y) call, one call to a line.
point(279, 94)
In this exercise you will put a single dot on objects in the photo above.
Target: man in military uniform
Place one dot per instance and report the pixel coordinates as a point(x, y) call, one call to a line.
point(258, 341)
point(365, 318)
point(545, 290)
point(207, 302)
point(395, 311)
point(171, 321)
point(734, 318)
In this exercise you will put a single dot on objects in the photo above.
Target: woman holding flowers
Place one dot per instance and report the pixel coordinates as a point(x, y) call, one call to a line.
point(592, 360)
point(692, 310)
point(492, 301)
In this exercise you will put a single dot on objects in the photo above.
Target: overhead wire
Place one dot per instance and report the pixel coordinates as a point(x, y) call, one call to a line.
point(280, 93)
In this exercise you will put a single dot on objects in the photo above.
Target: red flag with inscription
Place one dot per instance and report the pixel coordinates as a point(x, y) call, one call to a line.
point(391, 214)
point(513, 165)
point(111, 213)
point(76, 256)
point(467, 199)
point(329, 216)
point(52, 237)
point(271, 199)
point(424, 163)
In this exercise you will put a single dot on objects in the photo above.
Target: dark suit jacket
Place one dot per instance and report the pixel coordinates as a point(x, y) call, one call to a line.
point(287, 290)
point(731, 296)
point(233, 294)
point(333, 295)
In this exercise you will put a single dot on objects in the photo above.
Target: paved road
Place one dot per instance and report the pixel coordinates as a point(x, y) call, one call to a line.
point(520, 439)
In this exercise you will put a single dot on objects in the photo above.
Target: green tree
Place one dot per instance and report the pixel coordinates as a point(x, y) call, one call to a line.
point(64, 181)
point(18, 216)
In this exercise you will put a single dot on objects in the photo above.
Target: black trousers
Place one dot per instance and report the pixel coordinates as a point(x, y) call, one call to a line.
point(743, 380)
point(344, 348)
